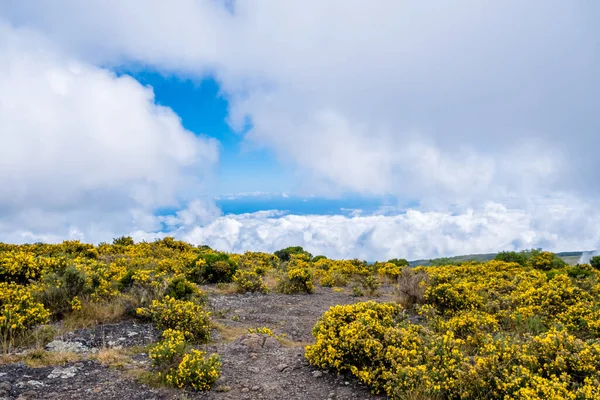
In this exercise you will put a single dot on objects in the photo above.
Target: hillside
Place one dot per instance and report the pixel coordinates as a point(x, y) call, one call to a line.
point(570, 257)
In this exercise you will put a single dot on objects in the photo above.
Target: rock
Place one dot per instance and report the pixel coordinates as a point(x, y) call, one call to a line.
point(271, 343)
point(63, 373)
point(30, 394)
point(35, 383)
point(252, 341)
point(245, 390)
point(255, 388)
point(222, 388)
point(6, 386)
point(62, 346)
point(282, 367)
point(317, 374)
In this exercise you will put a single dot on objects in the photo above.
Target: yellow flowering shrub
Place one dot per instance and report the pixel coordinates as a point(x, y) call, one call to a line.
point(351, 337)
point(249, 281)
point(493, 330)
point(179, 368)
point(390, 270)
point(169, 350)
point(185, 316)
point(19, 267)
point(195, 371)
point(18, 312)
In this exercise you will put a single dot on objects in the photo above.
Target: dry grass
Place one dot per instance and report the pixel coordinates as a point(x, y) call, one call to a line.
point(290, 343)
point(92, 314)
point(41, 358)
point(229, 333)
point(115, 358)
point(271, 279)
point(411, 287)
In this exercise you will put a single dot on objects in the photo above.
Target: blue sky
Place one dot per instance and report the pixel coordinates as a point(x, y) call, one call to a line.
point(203, 109)
point(385, 129)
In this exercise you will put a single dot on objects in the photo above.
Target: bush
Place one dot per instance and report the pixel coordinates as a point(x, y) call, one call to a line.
point(411, 287)
point(349, 338)
point(185, 316)
point(180, 369)
point(248, 281)
point(58, 290)
point(18, 312)
point(181, 289)
point(546, 261)
point(512, 256)
point(595, 262)
point(212, 268)
point(390, 270)
point(296, 280)
point(168, 351)
point(123, 241)
point(285, 254)
point(195, 371)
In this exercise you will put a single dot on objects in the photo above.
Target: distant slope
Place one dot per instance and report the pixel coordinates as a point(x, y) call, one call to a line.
point(570, 257)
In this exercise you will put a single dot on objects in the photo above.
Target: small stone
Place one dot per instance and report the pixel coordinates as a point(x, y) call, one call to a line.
point(63, 373)
point(222, 388)
point(245, 390)
point(282, 367)
point(5, 386)
point(346, 383)
point(255, 388)
point(35, 383)
point(62, 346)
point(331, 394)
point(317, 374)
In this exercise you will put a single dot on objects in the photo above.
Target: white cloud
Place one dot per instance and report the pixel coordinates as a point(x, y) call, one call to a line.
point(85, 154)
point(455, 103)
point(558, 224)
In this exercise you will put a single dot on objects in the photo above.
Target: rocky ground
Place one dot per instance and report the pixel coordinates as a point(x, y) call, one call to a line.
point(254, 366)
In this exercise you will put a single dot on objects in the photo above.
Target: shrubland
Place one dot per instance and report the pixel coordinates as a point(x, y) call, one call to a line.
point(523, 326)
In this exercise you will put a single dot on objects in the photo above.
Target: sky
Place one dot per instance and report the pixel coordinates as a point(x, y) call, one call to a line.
point(356, 129)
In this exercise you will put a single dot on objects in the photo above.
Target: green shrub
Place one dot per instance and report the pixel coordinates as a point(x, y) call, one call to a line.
point(285, 254)
point(212, 268)
point(60, 288)
point(181, 289)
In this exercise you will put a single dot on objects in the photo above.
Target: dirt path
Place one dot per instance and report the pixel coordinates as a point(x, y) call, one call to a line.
point(254, 366)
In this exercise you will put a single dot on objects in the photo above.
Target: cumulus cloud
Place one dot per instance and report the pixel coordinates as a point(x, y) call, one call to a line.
point(456, 103)
point(560, 224)
point(85, 153)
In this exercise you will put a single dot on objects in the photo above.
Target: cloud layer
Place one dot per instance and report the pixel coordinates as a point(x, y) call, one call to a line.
point(84, 150)
point(558, 224)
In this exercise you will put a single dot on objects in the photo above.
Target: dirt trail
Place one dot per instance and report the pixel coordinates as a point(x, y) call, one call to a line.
point(254, 366)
